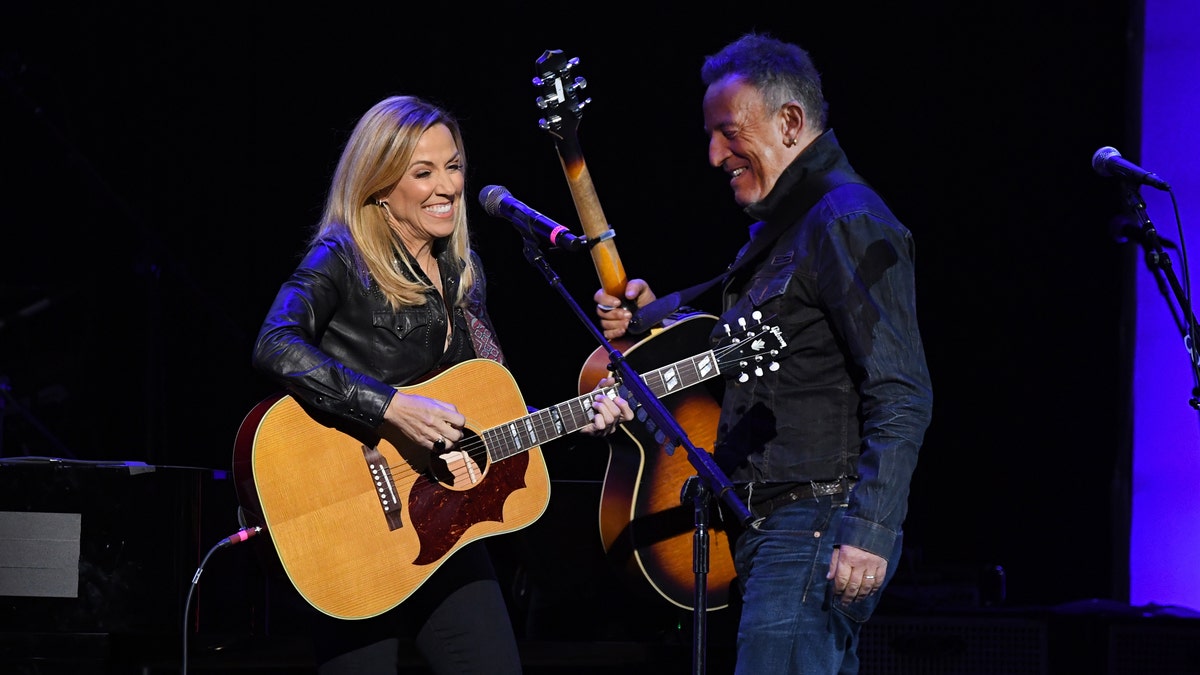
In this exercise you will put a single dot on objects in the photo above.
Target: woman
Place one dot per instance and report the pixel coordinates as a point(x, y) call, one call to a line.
point(389, 292)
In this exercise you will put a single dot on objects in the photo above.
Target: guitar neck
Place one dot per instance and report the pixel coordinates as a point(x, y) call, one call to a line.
point(568, 417)
point(591, 217)
point(561, 90)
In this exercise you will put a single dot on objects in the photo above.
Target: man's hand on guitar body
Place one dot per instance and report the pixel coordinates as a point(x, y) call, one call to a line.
point(614, 312)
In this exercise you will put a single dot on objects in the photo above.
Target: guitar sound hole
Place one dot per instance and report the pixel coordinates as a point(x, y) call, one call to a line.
point(463, 466)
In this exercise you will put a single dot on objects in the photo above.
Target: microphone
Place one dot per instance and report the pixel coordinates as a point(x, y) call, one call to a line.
point(499, 202)
point(239, 536)
point(1108, 162)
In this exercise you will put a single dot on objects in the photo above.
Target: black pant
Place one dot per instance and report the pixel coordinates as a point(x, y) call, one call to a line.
point(457, 620)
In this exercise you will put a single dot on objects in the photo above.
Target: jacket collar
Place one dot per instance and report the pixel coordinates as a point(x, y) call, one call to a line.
point(794, 185)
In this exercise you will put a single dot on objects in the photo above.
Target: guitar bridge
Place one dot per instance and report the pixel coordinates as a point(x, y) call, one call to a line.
point(385, 487)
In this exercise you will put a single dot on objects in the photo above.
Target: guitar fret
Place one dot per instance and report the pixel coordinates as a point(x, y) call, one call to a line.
point(494, 441)
point(680, 375)
point(670, 381)
point(580, 413)
point(531, 435)
point(546, 428)
point(537, 428)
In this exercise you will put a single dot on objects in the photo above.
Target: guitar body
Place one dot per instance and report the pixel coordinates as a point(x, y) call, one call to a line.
point(645, 525)
point(356, 529)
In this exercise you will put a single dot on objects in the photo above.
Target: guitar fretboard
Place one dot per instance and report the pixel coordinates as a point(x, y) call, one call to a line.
point(559, 420)
point(681, 374)
point(544, 425)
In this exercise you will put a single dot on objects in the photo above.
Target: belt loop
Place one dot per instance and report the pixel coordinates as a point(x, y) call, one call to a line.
point(846, 484)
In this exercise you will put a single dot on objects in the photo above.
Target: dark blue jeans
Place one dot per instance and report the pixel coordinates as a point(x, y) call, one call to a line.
point(790, 622)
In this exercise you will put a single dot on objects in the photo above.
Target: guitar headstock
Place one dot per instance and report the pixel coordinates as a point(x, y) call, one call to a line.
point(750, 346)
point(559, 93)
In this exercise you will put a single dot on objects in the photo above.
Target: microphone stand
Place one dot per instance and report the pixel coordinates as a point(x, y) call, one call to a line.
point(651, 411)
point(1160, 262)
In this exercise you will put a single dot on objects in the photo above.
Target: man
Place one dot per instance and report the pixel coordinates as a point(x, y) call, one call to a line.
point(823, 449)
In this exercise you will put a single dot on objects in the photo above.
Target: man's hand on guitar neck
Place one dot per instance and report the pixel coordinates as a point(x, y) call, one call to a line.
point(611, 409)
point(615, 313)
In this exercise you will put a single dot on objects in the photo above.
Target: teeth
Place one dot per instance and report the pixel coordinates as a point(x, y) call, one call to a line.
point(440, 208)
point(737, 172)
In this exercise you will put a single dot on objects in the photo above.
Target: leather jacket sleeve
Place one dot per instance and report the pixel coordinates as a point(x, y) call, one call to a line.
point(315, 342)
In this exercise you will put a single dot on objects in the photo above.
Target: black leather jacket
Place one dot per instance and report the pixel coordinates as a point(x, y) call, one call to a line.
point(852, 397)
point(339, 349)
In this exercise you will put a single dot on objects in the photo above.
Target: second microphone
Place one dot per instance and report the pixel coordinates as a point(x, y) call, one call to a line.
point(499, 202)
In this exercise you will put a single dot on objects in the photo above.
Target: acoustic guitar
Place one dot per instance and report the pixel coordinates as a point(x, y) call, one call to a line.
point(358, 529)
point(645, 527)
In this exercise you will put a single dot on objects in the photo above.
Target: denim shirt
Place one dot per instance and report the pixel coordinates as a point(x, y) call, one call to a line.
point(339, 348)
point(852, 397)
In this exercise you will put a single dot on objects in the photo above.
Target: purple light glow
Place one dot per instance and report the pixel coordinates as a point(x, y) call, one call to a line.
point(1165, 536)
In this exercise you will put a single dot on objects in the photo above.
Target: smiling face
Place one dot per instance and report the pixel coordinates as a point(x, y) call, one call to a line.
point(746, 139)
point(423, 201)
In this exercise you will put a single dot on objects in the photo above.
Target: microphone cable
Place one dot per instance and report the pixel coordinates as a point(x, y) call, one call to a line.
point(237, 537)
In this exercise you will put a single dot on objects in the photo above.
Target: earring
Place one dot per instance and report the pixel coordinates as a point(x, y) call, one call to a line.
point(790, 142)
point(380, 202)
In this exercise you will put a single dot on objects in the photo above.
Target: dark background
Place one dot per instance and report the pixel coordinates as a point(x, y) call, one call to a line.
point(163, 167)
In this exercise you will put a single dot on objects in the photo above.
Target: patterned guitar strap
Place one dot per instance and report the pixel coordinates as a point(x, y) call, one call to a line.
point(484, 340)
point(485, 343)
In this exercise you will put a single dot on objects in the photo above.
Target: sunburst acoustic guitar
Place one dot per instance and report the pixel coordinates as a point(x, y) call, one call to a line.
point(645, 527)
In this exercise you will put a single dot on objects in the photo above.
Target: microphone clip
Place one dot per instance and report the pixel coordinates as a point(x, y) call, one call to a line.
point(604, 236)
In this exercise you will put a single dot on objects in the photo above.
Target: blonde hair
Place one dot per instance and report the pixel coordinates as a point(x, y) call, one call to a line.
point(375, 157)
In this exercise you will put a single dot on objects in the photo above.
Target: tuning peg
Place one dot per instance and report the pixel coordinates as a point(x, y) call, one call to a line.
point(551, 94)
point(774, 366)
point(578, 108)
